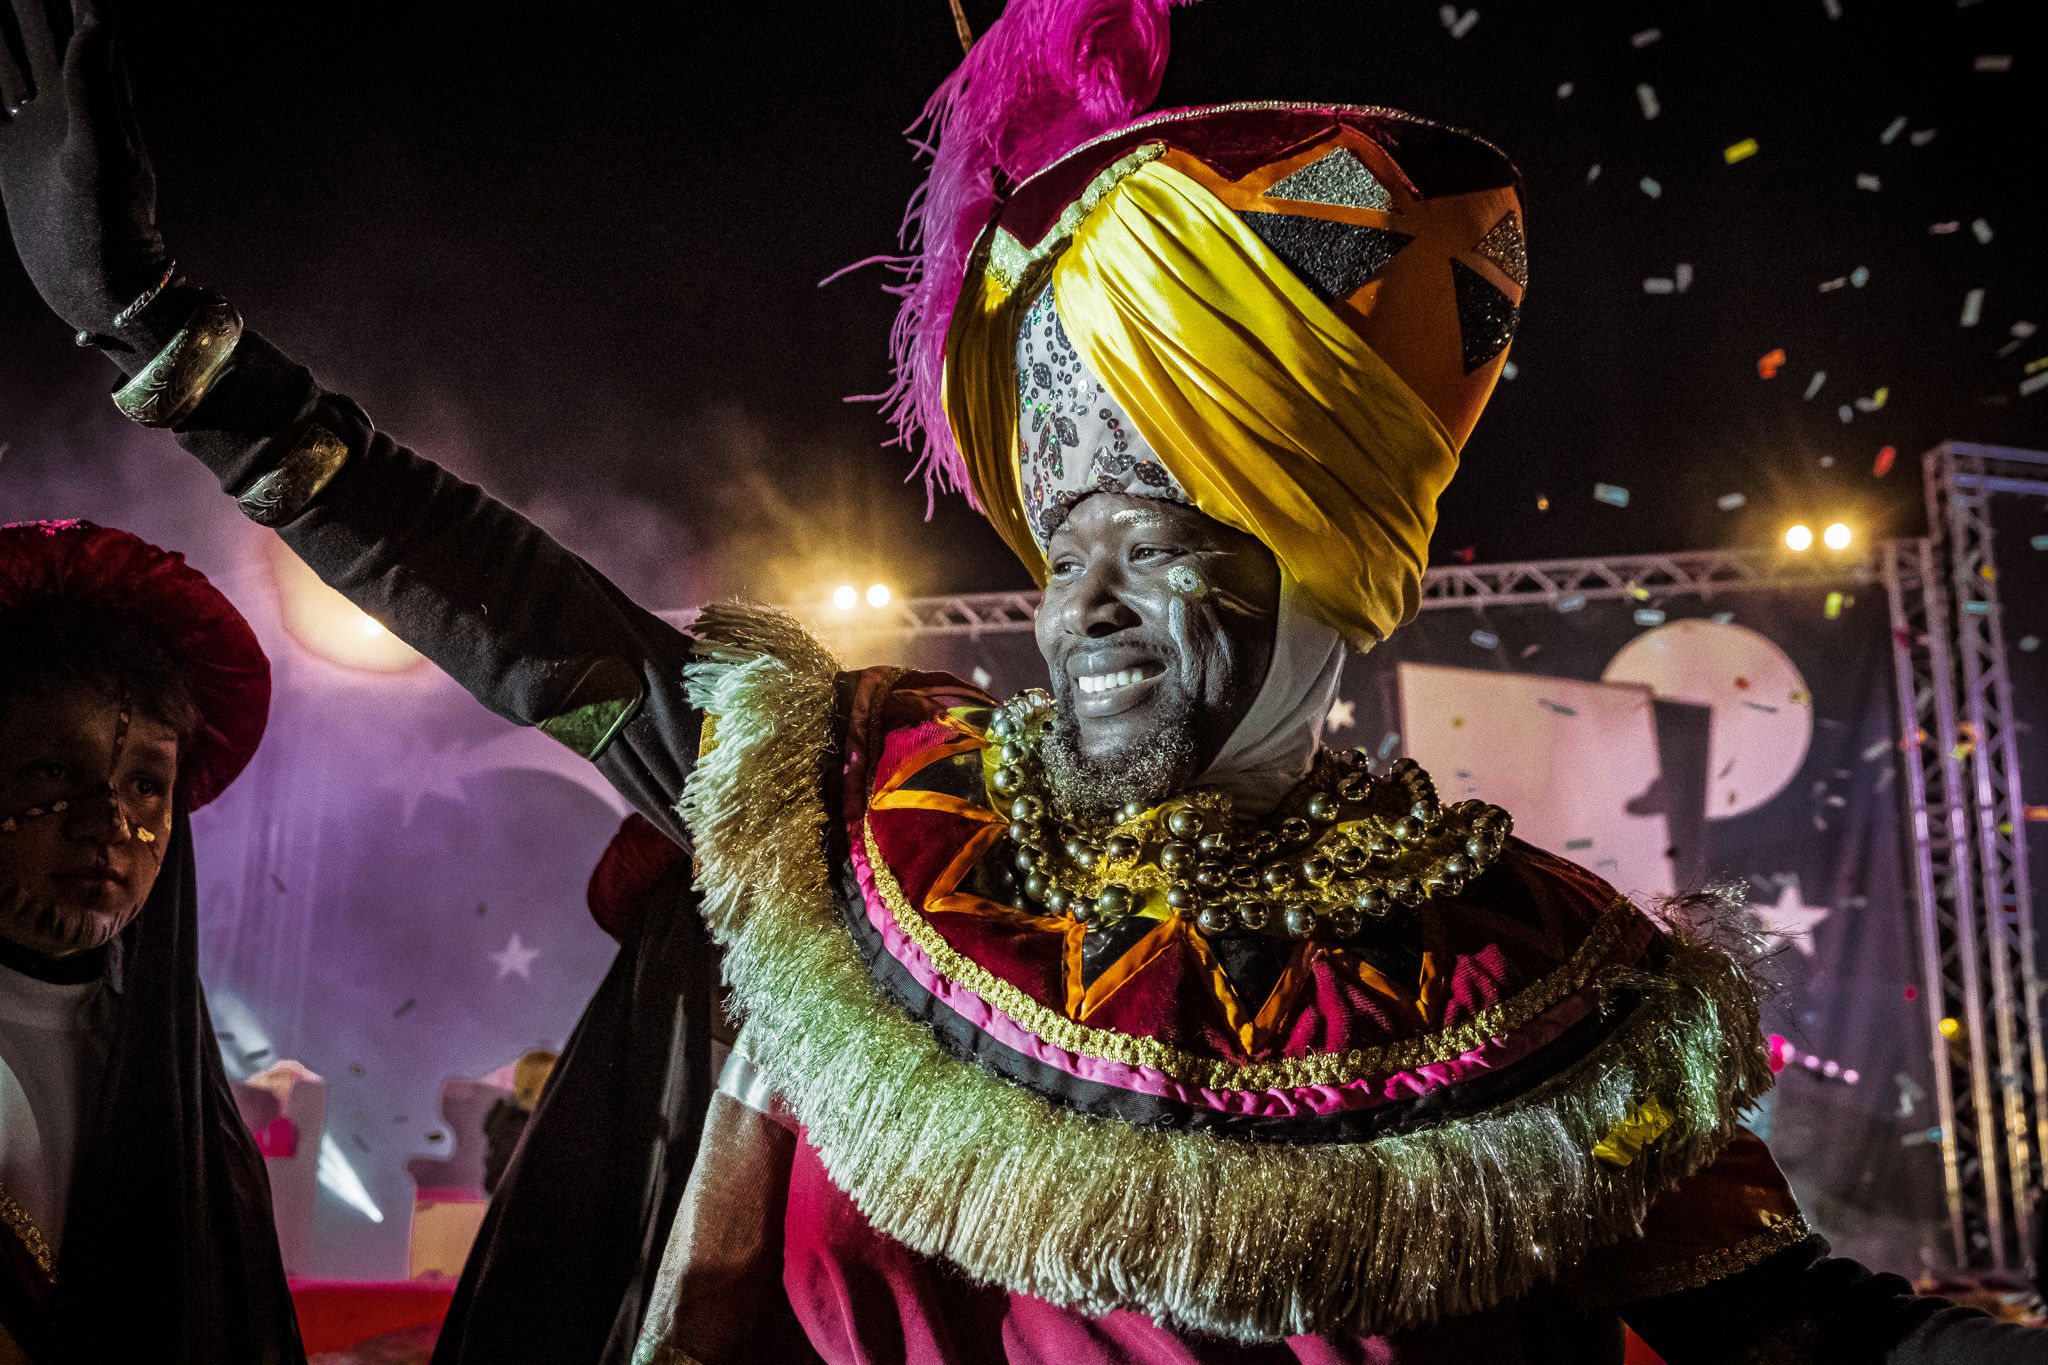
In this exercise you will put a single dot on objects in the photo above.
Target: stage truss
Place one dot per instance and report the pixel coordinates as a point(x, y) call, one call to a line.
point(1966, 855)
point(1644, 578)
point(1967, 849)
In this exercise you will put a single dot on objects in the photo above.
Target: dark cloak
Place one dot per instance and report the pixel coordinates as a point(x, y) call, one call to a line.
point(169, 1250)
point(564, 1264)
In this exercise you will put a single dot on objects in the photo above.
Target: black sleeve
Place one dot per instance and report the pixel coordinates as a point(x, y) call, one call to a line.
point(531, 630)
point(1806, 1306)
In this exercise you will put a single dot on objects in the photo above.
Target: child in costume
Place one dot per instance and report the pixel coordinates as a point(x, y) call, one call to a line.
point(135, 1215)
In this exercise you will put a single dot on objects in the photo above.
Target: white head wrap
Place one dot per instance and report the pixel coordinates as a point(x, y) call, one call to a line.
point(1274, 745)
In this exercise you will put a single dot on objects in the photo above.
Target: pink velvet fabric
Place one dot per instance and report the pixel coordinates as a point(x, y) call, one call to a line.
point(866, 1300)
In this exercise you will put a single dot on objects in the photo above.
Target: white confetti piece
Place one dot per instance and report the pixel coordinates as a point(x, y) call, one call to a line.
point(1649, 616)
point(1509, 369)
point(2023, 330)
point(1683, 276)
point(2033, 384)
point(1921, 137)
point(1981, 230)
point(1833, 8)
point(1973, 307)
point(1592, 172)
point(1657, 284)
point(1651, 187)
point(1572, 602)
point(2000, 61)
point(2030, 643)
point(1892, 130)
point(1485, 639)
point(1943, 229)
point(1724, 618)
point(1613, 494)
point(1564, 90)
point(1646, 95)
point(1860, 276)
point(1728, 502)
point(1866, 181)
point(1846, 413)
point(1646, 37)
point(1464, 24)
point(1820, 377)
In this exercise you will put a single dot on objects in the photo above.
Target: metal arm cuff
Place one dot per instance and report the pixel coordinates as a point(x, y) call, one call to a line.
point(280, 495)
point(170, 387)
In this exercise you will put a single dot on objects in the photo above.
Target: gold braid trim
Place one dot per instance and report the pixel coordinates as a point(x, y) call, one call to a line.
point(1209, 1073)
point(1781, 1230)
point(17, 1221)
point(1241, 1240)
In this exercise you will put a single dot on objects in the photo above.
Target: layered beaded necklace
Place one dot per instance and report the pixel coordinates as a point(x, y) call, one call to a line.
point(1346, 847)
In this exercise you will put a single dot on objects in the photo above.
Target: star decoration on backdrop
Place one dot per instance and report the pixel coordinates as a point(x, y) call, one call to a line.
point(515, 959)
point(1792, 920)
point(1342, 714)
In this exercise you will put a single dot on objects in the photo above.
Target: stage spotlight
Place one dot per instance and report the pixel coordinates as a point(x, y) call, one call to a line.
point(329, 624)
point(1837, 536)
point(844, 597)
point(1799, 538)
point(879, 595)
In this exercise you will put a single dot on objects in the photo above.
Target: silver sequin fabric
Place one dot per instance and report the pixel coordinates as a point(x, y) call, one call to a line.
point(1073, 437)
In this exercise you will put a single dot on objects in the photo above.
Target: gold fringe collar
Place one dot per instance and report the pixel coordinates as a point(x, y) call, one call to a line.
point(1210, 1235)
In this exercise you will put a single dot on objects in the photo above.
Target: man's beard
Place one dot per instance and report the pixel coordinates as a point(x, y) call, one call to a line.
point(1147, 770)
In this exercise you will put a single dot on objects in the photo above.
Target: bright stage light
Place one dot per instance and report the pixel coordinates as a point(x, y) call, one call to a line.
point(879, 595)
point(329, 624)
point(1836, 537)
point(1798, 538)
point(844, 597)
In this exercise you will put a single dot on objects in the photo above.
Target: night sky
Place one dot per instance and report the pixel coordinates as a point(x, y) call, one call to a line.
point(576, 258)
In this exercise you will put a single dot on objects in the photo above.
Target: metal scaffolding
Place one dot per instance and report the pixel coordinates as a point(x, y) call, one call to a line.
point(1697, 573)
point(1966, 819)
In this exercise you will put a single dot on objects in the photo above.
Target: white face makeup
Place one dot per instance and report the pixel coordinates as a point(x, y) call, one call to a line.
point(1157, 625)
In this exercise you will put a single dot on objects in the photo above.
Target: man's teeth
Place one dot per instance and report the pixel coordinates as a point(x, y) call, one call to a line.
point(1108, 682)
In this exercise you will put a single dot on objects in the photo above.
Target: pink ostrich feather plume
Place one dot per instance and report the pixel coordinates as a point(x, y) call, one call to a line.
point(1046, 77)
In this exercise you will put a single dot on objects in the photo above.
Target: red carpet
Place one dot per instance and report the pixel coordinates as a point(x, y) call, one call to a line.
point(335, 1315)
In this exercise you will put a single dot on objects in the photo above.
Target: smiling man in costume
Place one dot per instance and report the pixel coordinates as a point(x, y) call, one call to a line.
point(1120, 1022)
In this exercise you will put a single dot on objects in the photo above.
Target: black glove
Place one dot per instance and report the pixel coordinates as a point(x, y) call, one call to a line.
point(74, 176)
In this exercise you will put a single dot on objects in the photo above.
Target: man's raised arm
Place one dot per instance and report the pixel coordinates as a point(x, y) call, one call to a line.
point(531, 630)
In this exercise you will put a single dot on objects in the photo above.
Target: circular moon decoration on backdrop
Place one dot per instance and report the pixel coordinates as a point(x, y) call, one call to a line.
point(1761, 715)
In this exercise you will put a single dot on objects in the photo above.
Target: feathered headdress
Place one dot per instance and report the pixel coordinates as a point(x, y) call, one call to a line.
point(1044, 78)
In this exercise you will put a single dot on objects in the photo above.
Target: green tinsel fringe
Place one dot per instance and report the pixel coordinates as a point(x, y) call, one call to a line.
point(1205, 1234)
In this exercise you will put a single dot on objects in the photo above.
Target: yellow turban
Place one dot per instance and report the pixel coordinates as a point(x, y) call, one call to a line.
point(1269, 408)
